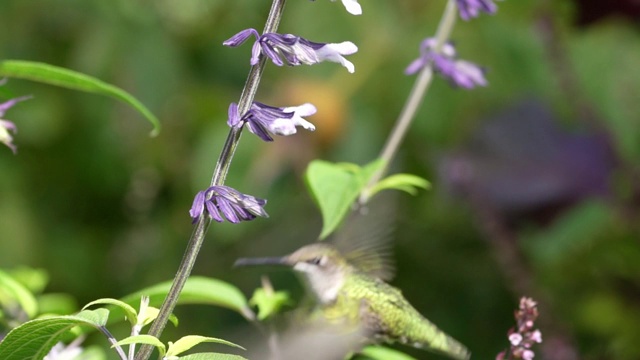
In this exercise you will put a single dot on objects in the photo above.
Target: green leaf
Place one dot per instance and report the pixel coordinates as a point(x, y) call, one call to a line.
point(57, 304)
point(93, 353)
point(129, 311)
point(211, 356)
point(151, 314)
point(335, 187)
point(54, 75)
point(187, 342)
point(34, 339)
point(11, 290)
point(143, 339)
point(269, 302)
point(198, 290)
point(376, 352)
point(405, 182)
point(35, 280)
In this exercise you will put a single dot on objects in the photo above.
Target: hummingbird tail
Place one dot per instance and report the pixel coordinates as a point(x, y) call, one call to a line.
point(446, 345)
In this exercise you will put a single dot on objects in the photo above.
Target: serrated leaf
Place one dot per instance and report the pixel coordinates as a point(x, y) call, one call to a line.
point(129, 311)
point(34, 339)
point(143, 339)
point(58, 76)
point(404, 182)
point(269, 302)
point(198, 290)
point(211, 356)
point(376, 352)
point(14, 291)
point(187, 342)
point(335, 187)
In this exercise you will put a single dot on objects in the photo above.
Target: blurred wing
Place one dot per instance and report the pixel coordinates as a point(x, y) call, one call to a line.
point(365, 238)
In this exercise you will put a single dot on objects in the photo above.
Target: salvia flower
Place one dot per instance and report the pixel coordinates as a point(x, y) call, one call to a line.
point(471, 8)
point(352, 6)
point(523, 336)
point(460, 73)
point(6, 126)
point(222, 202)
point(264, 120)
point(294, 50)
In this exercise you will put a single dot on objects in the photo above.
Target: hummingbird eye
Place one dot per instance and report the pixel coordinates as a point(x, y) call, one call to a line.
point(315, 261)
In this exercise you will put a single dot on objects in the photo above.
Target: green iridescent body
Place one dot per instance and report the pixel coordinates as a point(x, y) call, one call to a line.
point(387, 315)
point(355, 295)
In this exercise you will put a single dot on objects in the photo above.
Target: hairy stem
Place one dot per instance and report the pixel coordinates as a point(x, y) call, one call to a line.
point(218, 178)
point(413, 102)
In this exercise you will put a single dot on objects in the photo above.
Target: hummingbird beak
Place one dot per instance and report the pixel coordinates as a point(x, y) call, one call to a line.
point(261, 261)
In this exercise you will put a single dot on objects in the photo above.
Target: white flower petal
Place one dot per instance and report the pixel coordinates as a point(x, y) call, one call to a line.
point(288, 126)
point(352, 7)
point(515, 339)
point(281, 126)
point(334, 52)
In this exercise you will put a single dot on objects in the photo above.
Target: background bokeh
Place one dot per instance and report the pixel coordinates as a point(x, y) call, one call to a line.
point(535, 187)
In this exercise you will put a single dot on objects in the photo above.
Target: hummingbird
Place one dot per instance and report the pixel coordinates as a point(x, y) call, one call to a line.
point(350, 290)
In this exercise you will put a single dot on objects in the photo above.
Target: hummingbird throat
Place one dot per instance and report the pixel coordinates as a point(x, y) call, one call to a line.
point(324, 283)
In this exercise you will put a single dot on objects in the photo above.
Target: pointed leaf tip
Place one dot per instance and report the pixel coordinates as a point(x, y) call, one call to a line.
point(62, 77)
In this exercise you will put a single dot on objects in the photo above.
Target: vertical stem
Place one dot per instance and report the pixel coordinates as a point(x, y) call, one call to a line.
point(218, 178)
point(416, 96)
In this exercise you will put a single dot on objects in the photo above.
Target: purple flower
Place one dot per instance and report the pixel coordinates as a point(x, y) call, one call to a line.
point(5, 125)
point(223, 201)
point(264, 120)
point(460, 73)
point(293, 50)
point(471, 8)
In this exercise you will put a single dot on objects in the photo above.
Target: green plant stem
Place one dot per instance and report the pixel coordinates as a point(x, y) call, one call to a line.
point(414, 100)
point(114, 342)
point(218, 178)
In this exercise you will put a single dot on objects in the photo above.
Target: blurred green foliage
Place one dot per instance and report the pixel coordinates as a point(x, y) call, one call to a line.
point(104, 208)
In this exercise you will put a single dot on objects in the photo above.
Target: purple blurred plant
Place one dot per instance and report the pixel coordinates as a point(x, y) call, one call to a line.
point(460, 73)
point(471, 8)
point(524, 335)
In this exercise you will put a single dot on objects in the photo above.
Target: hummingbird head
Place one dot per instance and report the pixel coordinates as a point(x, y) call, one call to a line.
point(321, 264)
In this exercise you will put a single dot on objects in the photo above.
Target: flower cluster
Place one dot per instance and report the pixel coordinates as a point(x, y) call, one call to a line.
point(524, 336)
point(223, 201)
point(6, 126)
point(471, 8)
point(264, 120)
point(293, 50)
point(460, 73)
